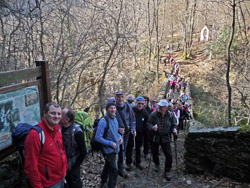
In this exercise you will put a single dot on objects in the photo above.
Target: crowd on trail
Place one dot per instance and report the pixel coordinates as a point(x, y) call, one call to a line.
point(56, 147)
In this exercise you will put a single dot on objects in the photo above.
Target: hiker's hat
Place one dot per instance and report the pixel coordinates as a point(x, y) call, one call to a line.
point(120, 92)
point(154, 100)
point(140, 99)
point(163, 103)
point(110, 102)
point(130, 97)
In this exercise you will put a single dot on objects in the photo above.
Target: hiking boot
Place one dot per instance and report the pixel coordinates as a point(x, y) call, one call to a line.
point(123, 174)
point(157, 168)
point(129, 167)
point(147, 156)
point(139, 166)
point(104, 185)
point(168, 175)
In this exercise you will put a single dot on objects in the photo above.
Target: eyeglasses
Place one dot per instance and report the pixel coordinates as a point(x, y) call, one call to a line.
point(140, 103)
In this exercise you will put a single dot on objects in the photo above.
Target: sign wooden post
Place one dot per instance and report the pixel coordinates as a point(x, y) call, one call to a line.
point(23, 95)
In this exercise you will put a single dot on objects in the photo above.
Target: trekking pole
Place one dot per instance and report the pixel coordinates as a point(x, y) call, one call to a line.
point(134, 148)
point(151, 153)
point(175, 149)
point(185, 125)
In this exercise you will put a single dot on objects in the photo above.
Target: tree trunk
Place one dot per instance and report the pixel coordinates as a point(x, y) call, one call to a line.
point(228, 65)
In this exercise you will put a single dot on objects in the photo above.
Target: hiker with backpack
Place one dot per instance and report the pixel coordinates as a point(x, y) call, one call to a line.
point(184, 97)
point(162, 124)
point(183, 115)
point(110, 142)
point(126, 120)
point(46, 167)
point(141, 117)
point(74, 144)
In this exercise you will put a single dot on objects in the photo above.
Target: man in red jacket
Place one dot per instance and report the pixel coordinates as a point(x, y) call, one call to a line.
point(47, 168)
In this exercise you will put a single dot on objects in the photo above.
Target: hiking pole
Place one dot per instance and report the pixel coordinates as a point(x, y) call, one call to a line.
point(151, 153)
point(175, 149)
point(134, 148)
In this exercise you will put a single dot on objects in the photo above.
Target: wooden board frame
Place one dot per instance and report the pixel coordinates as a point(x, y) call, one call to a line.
point(15, 80)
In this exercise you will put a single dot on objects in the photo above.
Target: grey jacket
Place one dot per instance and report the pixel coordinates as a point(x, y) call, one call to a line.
point(128, 115)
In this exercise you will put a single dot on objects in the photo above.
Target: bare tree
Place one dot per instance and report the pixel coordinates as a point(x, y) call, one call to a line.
point(229, 62)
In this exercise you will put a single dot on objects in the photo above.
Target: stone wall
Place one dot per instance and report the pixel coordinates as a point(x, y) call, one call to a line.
point(221, 151)
point(164, 89)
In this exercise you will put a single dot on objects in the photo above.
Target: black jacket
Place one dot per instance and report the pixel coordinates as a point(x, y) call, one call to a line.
point(74, 144)
point(155, 118)
point(141, 118)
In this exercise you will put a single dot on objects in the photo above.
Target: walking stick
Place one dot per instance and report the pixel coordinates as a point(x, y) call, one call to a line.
point(151, 153)
point(134, 148)
point(175, 149)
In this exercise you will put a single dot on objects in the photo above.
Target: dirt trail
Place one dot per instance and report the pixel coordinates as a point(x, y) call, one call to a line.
point(93, 165)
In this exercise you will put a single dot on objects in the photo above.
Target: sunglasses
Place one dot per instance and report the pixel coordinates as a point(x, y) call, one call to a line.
point(140, 103)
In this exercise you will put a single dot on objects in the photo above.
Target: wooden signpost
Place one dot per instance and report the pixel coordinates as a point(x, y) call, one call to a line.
point(23, 95)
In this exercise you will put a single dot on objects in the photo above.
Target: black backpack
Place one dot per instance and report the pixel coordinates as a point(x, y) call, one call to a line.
point(19, 135)
point(96, 146)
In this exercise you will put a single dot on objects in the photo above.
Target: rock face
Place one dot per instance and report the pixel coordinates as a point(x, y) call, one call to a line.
point(12, 173)
point(221, 151)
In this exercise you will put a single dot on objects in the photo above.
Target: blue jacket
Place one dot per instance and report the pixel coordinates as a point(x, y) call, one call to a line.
point(126, 111)
point(112, 135)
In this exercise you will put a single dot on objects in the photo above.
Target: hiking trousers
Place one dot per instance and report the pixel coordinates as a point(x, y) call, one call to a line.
point(122, 154)
point(166, 148)
point(110, 170)
point(59, 184)
point(73, 178)
point(145, 142)
point(130, 147)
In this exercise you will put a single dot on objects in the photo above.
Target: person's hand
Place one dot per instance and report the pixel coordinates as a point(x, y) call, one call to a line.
point(175, 134)
point(120, 141)
point(155, 127)
point(121, 130)
point(133, 133)
point(114, 145)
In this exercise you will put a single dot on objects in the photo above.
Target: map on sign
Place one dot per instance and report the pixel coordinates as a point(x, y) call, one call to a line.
point(21, 105)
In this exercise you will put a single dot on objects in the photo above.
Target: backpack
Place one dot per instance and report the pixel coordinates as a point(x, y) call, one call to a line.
point(96, 146)
point(20, 133)
point(85, 120)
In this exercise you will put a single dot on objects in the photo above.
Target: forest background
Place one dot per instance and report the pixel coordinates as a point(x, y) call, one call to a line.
point(95, 48)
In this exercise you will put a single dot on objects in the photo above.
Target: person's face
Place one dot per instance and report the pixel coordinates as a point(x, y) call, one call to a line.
point(120, 99)
point(154, 103)
point(64, 120)
point(139, 105)
point(170, 108)
point(111, 110)
point(146, 103)
point(53, 116)
point(163, 109)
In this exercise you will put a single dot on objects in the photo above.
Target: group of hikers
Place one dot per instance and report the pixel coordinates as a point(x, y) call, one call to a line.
point(126, 127)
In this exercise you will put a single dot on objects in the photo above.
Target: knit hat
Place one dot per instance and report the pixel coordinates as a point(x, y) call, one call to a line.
point(130, 97)
point(140, 99)
point(110, 102)
point(154, 100)
point(170, 104)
